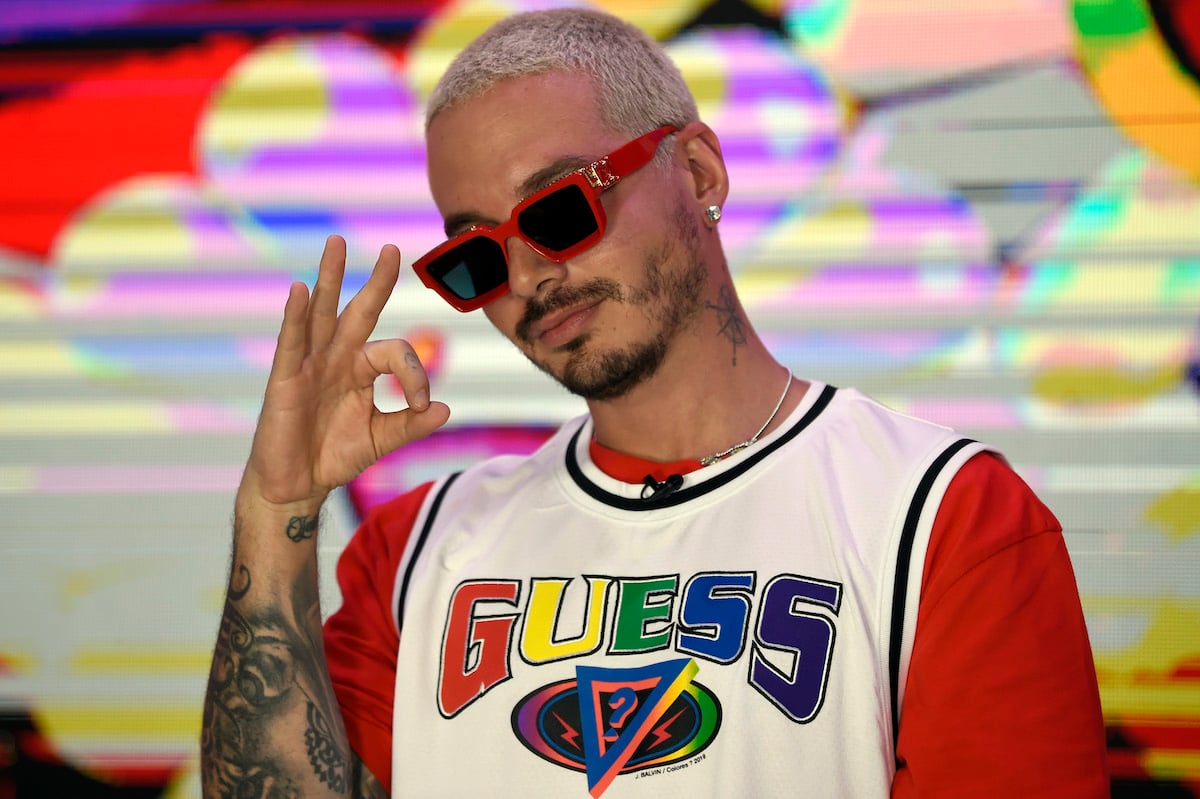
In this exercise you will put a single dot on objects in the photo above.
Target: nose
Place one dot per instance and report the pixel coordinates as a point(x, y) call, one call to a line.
point(528, 271)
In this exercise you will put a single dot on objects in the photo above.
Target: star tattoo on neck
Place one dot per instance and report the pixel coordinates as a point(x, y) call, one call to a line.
point(731, 325)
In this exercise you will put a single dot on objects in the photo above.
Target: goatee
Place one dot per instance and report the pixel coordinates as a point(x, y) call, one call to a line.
point(669, 300)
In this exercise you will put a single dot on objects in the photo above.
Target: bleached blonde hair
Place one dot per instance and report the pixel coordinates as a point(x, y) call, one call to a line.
point(637, 85)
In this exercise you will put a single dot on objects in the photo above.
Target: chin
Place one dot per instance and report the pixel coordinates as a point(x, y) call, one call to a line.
point(612, 374)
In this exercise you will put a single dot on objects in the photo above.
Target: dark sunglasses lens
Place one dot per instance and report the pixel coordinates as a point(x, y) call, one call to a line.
point(559, 220)
point(472, 268)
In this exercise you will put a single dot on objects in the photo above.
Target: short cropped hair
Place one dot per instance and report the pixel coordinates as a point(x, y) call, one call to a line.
point(638, 86)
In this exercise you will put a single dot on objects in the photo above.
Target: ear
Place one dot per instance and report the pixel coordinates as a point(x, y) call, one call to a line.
point(699, 152)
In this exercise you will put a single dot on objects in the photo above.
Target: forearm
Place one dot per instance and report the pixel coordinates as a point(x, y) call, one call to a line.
point(271, 722)
point(272, 726)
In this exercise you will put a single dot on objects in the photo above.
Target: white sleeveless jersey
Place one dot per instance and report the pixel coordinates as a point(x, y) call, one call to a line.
point(746, 634)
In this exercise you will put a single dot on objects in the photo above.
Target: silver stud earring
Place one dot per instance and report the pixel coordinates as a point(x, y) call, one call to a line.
point(713, 212)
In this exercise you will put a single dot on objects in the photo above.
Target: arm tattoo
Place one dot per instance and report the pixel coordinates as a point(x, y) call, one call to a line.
point(731, 325)
point(236, 593)
point(268, 688)
point(366, 786)
point(250, 675)
point(327, 759)
point(301, 527)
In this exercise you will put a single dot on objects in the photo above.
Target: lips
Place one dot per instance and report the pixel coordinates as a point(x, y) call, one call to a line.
point(558, 316)
point(557, 328)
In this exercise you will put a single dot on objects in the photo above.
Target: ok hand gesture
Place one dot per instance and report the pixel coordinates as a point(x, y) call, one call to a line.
point(319, 426)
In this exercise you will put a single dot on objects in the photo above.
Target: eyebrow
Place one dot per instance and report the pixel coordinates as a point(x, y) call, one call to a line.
point(458, 223)
point(540, 179)
point(543, 177)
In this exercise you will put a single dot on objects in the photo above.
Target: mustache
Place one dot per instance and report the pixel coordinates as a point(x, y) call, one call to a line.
point(597, 288)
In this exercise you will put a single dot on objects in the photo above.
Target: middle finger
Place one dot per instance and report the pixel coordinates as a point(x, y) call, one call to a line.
point(361, 314)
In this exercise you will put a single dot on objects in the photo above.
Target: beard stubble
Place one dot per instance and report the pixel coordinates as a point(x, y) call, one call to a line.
point(668, 299)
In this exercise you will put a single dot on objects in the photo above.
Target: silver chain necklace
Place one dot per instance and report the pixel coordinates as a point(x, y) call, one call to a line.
point(709, 460)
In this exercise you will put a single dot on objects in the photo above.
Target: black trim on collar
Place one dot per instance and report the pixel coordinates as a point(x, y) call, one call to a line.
point(420, 545)
point(688, 493)
point(908, 536)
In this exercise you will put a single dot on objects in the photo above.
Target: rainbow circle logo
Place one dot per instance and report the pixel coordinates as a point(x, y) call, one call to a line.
point(549, 722)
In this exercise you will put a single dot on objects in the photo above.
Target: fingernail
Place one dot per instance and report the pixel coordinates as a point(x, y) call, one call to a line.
point(421, 399)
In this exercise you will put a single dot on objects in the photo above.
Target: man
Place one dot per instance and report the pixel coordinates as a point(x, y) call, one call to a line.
point(722, 581)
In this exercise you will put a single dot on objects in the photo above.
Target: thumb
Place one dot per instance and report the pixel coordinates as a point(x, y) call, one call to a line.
point(397, 428)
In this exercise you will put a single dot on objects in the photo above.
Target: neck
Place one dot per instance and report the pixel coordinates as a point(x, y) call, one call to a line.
point(705, 398)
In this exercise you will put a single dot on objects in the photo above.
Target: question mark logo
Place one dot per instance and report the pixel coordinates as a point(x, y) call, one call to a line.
point(623, 702)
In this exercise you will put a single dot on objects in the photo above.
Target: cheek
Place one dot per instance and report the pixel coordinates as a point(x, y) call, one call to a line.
point(625, 322)
point(621, 237)
point(504, 314)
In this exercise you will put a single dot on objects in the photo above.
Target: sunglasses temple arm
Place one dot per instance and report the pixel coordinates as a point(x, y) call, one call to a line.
point(632, 156)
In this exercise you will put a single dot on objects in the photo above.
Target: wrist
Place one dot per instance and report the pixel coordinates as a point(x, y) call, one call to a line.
point(254, 498)
point(249, 503)
point(289, 522)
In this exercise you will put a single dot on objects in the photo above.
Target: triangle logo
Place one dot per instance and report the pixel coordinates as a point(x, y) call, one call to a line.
point(619, 707)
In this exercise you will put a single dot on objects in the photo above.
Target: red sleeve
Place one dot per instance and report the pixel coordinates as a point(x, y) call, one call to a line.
point(1001, 697)
point(361, 638)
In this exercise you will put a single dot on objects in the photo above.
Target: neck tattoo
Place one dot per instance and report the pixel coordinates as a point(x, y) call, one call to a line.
point(709, 460)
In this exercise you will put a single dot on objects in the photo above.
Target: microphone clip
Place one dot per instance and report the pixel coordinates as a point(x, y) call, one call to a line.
point(654, 492)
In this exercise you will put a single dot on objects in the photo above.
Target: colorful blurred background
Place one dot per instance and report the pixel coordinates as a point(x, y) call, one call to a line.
point(983, 213)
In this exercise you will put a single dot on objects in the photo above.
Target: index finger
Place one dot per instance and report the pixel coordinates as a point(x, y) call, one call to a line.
point(397, 358)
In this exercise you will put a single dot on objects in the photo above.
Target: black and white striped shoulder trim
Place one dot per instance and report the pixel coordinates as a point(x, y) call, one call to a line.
point(419, 545)
point(904, 568)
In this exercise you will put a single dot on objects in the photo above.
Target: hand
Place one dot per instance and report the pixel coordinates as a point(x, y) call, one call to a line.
point(319, 426)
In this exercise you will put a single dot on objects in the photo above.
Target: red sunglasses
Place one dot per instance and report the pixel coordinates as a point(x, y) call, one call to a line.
point(557, 222)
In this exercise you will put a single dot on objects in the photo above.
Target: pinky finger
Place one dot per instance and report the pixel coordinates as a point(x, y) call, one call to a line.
point(290, 347)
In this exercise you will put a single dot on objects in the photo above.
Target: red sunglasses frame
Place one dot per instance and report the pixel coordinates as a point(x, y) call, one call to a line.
point(594, 179)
